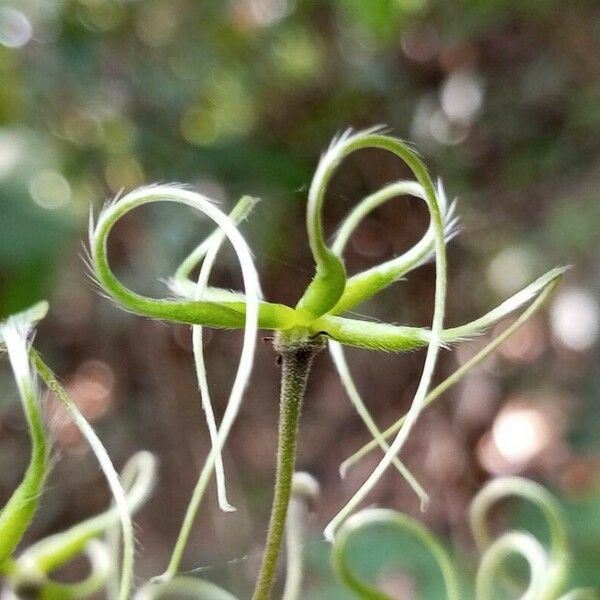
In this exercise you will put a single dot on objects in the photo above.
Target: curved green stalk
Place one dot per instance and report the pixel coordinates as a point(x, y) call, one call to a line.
point(461, 371)
point(515, 302)
point(399, 338)
point(372, 335)
point(327, 285)
point(22, 505)
point(364, 519)
point(106, 465)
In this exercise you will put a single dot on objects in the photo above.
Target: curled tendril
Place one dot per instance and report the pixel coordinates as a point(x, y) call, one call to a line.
point(18, 512)
point(369, 282)
point(328, 285)
point(373, 517)
point(400, 149)
point(513, 543)
point(234, 314)
point(27, 579)
point(548, 567)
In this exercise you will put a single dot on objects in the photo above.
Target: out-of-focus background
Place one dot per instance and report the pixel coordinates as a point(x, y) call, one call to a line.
point(502, 98)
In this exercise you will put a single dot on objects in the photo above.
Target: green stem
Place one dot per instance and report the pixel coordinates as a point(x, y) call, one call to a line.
point(296, 360)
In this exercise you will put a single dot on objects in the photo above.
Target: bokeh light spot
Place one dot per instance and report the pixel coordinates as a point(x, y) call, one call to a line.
point(12, 148)
point(461, 96)
point(15, 28)
point(50, 190)
point(575, 319)
point(510, 270)
point(123, 173)
point(198, 127)
point(520, 433)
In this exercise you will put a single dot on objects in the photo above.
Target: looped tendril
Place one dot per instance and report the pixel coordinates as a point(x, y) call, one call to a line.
point(33, 567)
point(367, 518)
point(548, 568)
point(329, 291)
point(27, 580)
point(229, 313)
point(196, 312)
point(400, 149)
point(517, 543)
point(369, 282)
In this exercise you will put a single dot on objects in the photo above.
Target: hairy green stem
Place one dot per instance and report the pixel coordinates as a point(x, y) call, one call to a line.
point(296, 360)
